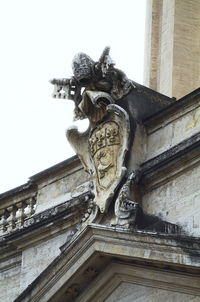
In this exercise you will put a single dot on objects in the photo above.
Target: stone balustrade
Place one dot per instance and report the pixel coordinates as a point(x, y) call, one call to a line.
point(14, 216)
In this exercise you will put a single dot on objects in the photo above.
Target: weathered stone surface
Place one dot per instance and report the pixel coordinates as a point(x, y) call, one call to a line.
point(168, 262)
point(26, 252)
point(127, 292)
point(10, 272)
point(37, 257)
point(177, 200)
point(61, 190)
point(173, 128)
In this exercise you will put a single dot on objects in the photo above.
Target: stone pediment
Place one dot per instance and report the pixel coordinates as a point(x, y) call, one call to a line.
point(103, 257)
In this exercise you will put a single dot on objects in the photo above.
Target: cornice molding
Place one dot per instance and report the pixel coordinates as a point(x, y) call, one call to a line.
point(36, 227)
point(178, 252)
point(187, 151)
point(187, 100)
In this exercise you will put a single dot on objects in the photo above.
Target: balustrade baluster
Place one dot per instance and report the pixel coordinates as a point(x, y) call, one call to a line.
point(11, 218)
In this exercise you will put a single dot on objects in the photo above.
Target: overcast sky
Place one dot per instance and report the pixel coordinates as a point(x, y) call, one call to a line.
point(38, 41)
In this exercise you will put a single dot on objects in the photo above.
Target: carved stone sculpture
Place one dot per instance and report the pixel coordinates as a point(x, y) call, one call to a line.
point(96, 87)
point(92, 76)
point(127, 208)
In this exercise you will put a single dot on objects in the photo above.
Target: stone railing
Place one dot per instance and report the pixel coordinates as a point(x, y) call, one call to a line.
point(13, 217)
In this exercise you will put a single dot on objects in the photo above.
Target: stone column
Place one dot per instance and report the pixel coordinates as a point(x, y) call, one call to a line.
point(172, 54)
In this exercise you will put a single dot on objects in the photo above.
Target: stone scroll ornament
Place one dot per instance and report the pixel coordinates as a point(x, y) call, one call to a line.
point(95, 89)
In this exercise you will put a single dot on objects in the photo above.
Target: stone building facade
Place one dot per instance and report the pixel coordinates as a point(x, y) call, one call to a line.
point(47, 256)
point(120, 221)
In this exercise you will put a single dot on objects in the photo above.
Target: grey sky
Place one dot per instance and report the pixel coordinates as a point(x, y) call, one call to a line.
point(38, 41)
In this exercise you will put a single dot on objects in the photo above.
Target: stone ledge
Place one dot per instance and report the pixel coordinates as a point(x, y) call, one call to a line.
point(176, 105)
point(27, 187)
point(70, 208)
point(55, 169)
point(173, 154)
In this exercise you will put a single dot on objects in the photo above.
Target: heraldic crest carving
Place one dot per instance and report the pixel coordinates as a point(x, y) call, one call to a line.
point(96, 88)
